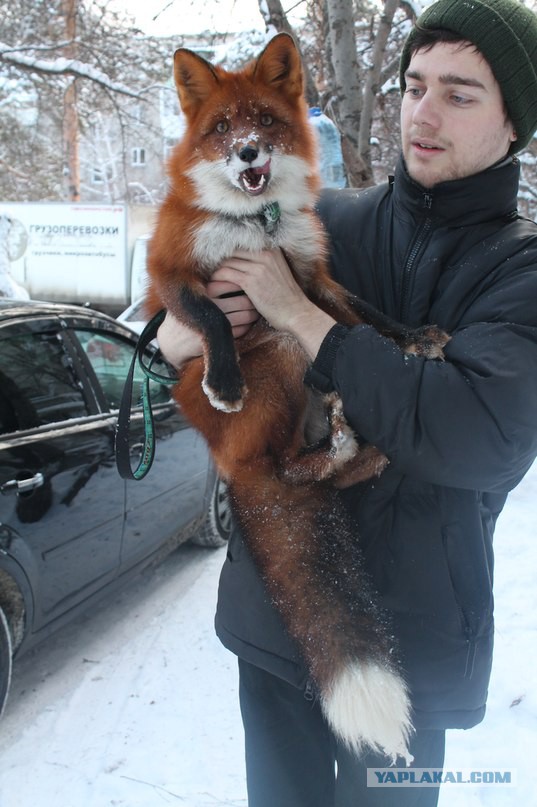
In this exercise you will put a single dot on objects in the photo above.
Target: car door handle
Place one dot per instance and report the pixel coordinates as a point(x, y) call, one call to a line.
point(23, 485)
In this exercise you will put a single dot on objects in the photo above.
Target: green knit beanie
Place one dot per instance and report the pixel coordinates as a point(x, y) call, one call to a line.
point(505, 33)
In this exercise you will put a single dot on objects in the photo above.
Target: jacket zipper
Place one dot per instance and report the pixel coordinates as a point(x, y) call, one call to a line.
point(408, 270)
point(309, 693)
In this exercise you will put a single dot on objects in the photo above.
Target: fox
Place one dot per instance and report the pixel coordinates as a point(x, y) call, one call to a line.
point(244, 176)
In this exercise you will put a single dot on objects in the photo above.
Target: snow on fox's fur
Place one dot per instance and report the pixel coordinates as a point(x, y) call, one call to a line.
point(244, 176)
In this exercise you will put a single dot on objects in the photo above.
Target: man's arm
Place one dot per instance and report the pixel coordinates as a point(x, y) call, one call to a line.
point(467, 422)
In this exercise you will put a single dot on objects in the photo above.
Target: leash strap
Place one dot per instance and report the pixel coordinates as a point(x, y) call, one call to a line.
point(123, 460)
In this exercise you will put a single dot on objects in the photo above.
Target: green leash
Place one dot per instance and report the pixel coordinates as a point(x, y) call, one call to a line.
point(123, 461)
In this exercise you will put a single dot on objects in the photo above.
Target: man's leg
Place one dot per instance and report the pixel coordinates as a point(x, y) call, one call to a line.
point(290, 758)
point(428, 749)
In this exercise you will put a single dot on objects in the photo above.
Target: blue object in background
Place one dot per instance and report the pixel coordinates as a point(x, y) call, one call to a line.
point(330, 156)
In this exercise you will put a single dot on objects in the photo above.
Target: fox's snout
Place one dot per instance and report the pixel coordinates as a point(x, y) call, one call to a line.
point(250, 167)
point(248, 153)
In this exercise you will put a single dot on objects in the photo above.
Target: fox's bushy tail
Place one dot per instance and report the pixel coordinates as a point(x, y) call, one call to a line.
point(308, 555)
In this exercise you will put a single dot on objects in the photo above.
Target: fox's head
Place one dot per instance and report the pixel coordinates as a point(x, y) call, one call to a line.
point(247, 141)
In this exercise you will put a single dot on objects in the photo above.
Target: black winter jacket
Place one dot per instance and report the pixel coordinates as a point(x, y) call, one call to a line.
point(459, 434)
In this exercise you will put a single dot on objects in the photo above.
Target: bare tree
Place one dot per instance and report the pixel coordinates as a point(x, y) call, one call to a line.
point(71, 169)
point(358, 58)
point(371, 85)
point(275, 17)
point(347, 90)
point(61, 72)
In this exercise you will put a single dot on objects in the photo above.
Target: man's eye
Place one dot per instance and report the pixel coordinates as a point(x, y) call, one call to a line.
point(222, 126)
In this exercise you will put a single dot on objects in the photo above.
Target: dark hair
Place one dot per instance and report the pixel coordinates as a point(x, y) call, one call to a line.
point(427, 38)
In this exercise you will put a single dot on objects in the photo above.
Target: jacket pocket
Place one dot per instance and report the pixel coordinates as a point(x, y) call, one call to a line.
point(468, 569)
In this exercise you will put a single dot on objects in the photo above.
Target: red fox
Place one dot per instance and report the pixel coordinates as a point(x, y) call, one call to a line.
point(244, 177)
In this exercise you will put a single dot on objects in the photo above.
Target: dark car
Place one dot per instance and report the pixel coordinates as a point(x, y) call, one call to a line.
point(70, 527)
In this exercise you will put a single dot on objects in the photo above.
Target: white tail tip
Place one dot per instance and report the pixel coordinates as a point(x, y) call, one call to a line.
point(368, 705)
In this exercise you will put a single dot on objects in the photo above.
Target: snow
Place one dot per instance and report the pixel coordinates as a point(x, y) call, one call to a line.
point(135, 705)
point(62, 66)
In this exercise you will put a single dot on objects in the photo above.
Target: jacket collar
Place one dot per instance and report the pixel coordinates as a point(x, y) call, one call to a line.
point(488, 195)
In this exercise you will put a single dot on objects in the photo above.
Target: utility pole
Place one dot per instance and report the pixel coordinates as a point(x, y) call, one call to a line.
point(71, 159)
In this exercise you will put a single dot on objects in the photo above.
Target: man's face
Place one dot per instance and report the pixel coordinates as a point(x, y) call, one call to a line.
point(453, 121)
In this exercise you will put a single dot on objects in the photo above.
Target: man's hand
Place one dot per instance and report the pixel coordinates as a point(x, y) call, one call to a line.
point(270, 286)
point(179, 343)
point(236, 305)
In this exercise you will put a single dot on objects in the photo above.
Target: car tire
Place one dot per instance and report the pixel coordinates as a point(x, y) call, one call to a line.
point(6, 660)
point(216, 528)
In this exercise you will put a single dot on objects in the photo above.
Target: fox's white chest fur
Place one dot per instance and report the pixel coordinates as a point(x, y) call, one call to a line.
point(236, 220)
point(221, 236)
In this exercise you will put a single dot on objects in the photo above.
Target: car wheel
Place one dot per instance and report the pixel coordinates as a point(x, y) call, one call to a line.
point(216, 528)
point(6, 660)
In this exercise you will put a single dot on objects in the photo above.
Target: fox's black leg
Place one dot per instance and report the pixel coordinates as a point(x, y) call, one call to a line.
point(426, 341)
point(222, 381)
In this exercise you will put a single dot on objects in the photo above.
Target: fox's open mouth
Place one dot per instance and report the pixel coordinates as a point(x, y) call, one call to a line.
point(255, 180)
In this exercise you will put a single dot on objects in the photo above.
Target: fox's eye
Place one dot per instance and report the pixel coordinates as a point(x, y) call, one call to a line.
point(222, 126)
point(266, 119)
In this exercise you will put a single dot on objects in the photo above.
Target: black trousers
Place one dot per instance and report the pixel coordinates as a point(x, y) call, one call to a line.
point(294, 760)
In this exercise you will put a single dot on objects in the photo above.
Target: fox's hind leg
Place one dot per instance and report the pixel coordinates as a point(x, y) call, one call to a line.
point(338, 456)
point(320, 461)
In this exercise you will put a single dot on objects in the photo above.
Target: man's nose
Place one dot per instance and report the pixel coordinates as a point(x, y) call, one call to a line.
point(427, 111)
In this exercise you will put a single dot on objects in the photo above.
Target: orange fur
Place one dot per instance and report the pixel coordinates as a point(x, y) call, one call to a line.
point(283, 494)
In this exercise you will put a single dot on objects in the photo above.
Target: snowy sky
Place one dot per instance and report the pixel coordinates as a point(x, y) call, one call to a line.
point(193, 16)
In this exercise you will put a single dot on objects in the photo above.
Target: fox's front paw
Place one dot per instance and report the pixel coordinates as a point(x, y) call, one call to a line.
point(225, 390)
point(427, 341)
point(226, 397)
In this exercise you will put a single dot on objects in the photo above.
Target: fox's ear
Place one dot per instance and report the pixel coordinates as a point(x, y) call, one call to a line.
point(279, 66)
point(195, 79)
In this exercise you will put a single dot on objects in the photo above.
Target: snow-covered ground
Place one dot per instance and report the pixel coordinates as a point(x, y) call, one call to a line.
point(136, 704)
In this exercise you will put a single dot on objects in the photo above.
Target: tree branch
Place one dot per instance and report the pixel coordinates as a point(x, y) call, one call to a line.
point(62, 66)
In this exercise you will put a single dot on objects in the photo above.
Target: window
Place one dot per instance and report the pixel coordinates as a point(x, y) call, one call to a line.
point(37, 383)
point(138, 156)
point(100, 175)
point(111, 358)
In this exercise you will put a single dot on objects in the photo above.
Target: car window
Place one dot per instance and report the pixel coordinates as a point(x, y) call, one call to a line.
point(37, 383)
point(111, 358)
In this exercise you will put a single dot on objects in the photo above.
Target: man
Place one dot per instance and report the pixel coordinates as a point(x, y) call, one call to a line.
point(441, 243)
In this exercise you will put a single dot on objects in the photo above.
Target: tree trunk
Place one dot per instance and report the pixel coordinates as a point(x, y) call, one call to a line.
point(372, 84)
point(70, 114)
point(347, 87)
